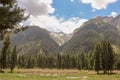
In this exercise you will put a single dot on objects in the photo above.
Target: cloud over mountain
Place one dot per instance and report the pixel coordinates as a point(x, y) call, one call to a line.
point(98, 4)
point(114, 14)
point(54, 24)
point(37, 7)
point(40, 11)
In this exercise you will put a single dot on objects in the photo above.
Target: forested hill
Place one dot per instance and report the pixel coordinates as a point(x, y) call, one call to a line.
point(92, 31)
point(33, 40)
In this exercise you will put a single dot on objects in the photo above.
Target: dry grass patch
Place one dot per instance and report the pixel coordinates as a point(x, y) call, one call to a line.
point(49, 72)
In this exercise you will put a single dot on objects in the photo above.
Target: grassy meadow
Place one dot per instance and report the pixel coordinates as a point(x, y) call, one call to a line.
point(53, 74)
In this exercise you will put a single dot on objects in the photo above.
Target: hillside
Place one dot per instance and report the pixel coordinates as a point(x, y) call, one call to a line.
point(91, 32)
point(115, 21)
point(33, 40)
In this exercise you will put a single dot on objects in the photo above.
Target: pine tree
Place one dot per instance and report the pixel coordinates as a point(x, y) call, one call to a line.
point(103, 56)
point(13, 59)
point(90, 60)
point(8, 55)
point(78, 61)
point(41, 59)
point(58, 61)
point(5, 52)
point(30, 62)
point(83, 60)
point(21, 61)
point(10, 16)
point(110, 58)
point(107, 57)
point(50, 61)
point(97, 56)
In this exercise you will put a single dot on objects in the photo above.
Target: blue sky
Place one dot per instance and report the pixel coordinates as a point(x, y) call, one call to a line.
point(69, 9)
point(66, 15)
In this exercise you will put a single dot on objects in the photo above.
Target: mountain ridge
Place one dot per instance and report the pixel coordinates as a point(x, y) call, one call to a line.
point(91, 32)
point(35, 39)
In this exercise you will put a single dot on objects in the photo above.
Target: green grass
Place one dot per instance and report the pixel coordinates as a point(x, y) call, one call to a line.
point(56, 75)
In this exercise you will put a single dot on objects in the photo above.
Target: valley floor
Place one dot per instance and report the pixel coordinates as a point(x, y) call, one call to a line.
point(53, 74)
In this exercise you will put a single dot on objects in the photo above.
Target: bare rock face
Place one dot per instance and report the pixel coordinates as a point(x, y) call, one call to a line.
point(60, 37)
point(115, 21)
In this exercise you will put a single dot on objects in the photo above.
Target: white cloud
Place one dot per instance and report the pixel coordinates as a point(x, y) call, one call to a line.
point(93, 10)
point(71, 0)
point(40, 10)
point(81, 12)
point(37, 7)
point(98, 4)
point(51, 23)
point(114, 14)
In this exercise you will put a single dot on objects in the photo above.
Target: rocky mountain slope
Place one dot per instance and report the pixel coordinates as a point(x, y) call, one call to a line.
point(60, 37)
point(91, 32)
point(33, 40)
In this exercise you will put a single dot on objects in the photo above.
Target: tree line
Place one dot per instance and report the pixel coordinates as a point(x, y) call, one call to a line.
point(8, 55)
point(101, 58)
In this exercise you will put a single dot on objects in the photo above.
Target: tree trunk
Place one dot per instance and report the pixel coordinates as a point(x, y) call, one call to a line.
point(105, 71)
point(97, 72)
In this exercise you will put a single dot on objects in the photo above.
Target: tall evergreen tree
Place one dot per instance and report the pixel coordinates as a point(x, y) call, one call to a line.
point(97, 56)
point(104, 57)
point(4, 52)
point(110, 58)
point(29, 63)
point(78, 61)
point(10, 16)
point(83, 60)
point(13, 59)
point(58, 61)
point(41, 60)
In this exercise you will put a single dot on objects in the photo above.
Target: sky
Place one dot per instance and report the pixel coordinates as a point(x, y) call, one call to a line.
point(66, 15)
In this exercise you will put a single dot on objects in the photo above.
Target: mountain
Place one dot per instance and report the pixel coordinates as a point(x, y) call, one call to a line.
point(60, 37)
point(115, 21)
point(91, 32)
point(33, 40)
